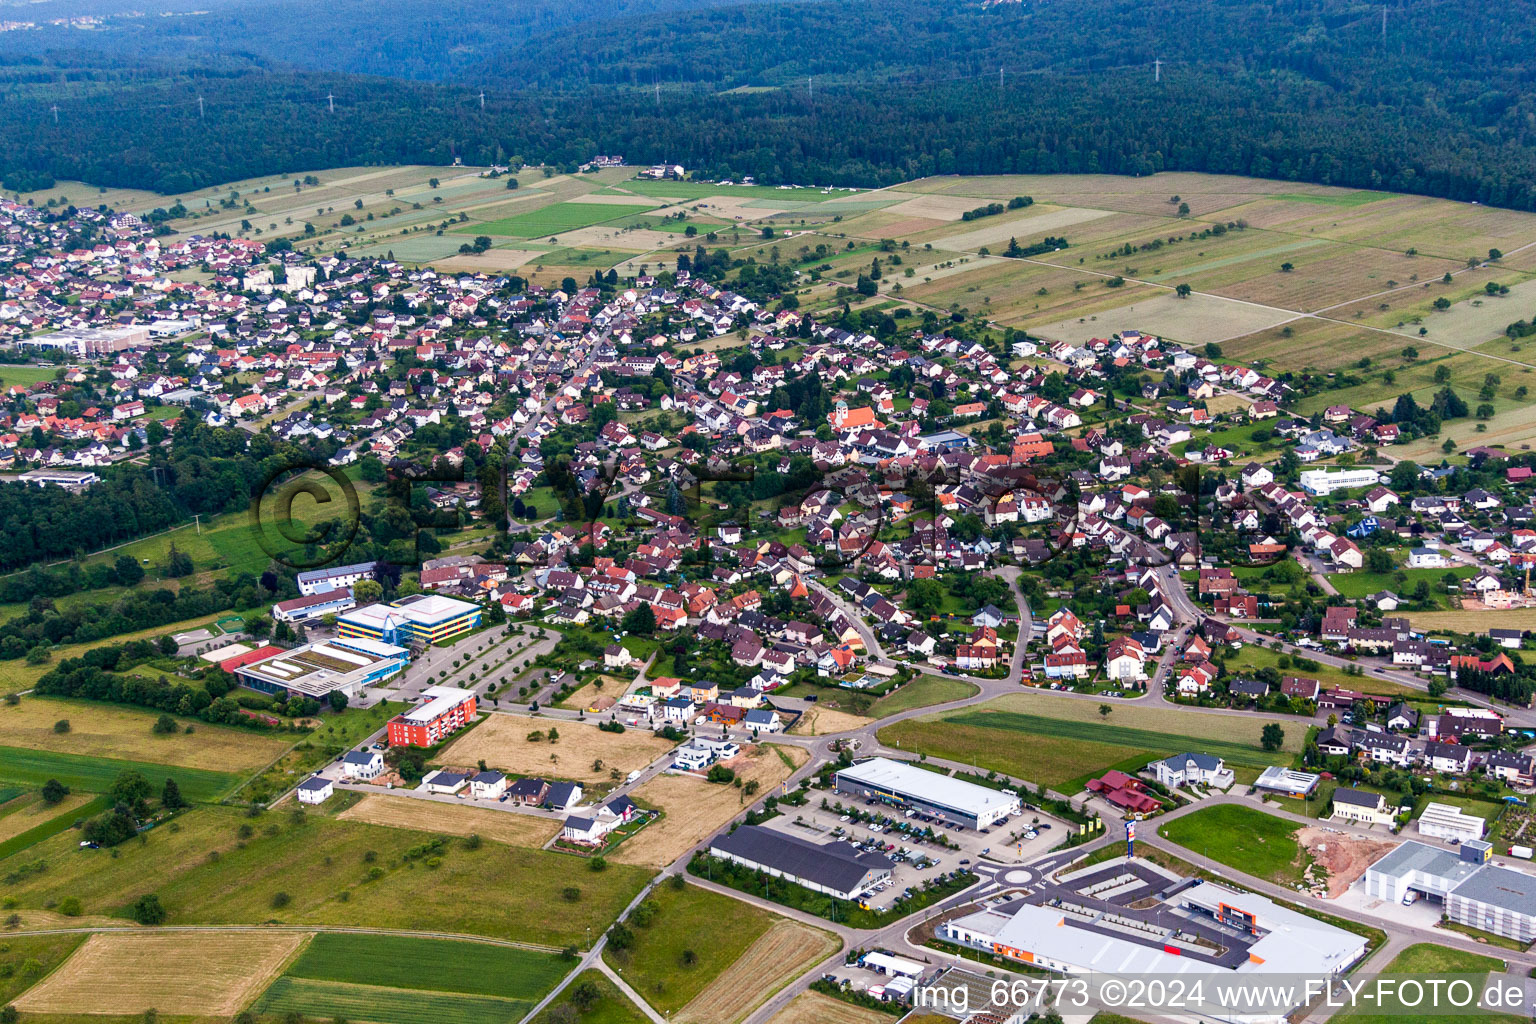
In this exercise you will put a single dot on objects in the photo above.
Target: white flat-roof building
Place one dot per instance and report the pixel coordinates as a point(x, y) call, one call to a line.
point(1324, 482)
point(1486, 896)
point(314, 670)
point(953, 800)
point(1288, 781)
point(1445, 821)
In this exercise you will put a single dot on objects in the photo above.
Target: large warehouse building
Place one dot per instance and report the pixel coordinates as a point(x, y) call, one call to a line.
point(423, 619)
point(831, 868)
point(1479, 895)
point(951, 800)
point(314, 670)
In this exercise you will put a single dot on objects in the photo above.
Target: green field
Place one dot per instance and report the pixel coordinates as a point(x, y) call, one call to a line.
point(1061, 753)
point(920, 693)
point(215, 865)
point(52, 827)
point(550, 220)
point(610, 1006)
point(387, 1005)
point(1424, 959)
point(1351, 199)
point(95, 774)
point(1249, 840)
point(716, 929)
point(13, 374)
point(395, 961)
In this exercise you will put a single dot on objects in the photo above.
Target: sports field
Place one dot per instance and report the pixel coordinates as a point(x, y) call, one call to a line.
point(204, 974)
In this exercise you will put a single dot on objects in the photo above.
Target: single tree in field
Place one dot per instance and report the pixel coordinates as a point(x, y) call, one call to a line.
point(1104, 710)
point(1271, 737)
point(1182, 291)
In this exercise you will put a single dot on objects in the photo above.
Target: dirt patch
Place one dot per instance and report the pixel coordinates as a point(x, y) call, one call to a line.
point(433, 816)
point(778, 956)
point(819, 721)
point(591, 697)
point(694, 808)
point(209, 974)
point(503, 743)
point(1344, 857)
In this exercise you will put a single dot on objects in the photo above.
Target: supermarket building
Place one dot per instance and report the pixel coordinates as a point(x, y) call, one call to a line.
point(421, 619)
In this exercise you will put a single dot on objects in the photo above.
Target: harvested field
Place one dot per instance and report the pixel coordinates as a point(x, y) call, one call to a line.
point(503, 743)
point(781, 954)
point(1339, 277)
point(694, 809)
point(112, 731)
point(618, 236)
point(815, 1008)
point(1344, 857)
point(204, 974)
point(1472, 321)
point(936, 207)
point(1031, 228)
point(36, 813)
point(1320, 344)
point(452, 819)
point(490, 260)
point(1471, 621)
point(1194, 321)
point(820, 721)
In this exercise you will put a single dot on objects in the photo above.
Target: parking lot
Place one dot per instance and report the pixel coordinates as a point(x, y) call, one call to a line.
point(888, 830)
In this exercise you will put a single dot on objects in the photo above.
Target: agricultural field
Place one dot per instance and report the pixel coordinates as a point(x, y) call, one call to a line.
point(691, 936)
point(26, 959)
point(201, 974)
point(1069, 742)
point(595, 1000)
point(452, 819)
point(815, 1008)
point(502, 741)
point(394, 961)
point(30, 811)
point(692, 809)
point(96, 774)
point(545, 222)
point(216, 866)
point(781, 954)
point(111, 731)
point(1249, 840)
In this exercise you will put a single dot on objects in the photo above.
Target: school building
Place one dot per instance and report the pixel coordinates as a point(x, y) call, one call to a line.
point(423, 619)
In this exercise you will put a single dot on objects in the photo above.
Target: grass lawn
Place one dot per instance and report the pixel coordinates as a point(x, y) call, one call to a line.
point(1253, 657)
point(920, 693)
point(11, 375)
point(96, 774)
point(716, 930)
point(214, 865)
point(607, 1006)
point(1425, 959)
point(465, 967)
point(1249, 840)
point(334, 735)
point(1358, 584)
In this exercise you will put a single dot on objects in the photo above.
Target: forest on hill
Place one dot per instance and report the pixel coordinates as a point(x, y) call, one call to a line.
point(845, 92)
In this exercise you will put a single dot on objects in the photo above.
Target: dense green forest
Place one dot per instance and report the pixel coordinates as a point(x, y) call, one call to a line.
point(1441, 103)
